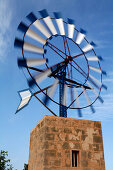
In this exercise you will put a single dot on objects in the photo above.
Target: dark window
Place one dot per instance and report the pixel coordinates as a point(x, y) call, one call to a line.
point(75, 158)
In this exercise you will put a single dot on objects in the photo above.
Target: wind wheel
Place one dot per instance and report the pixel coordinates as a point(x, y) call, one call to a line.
point(61, 63)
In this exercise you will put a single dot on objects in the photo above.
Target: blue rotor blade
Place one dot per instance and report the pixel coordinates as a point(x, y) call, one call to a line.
point(57, 15)
point(44, 13)
point(31, 83)
point(92, 109)
point(22, 63)
point(70, 21)
point(83, 31)
point(93, 44)
point(18, 43)
point(23, 27)
point(31, 17)
point(100, 58)
point(104, 72)
point(104, 86)
point(46, 100)
point(79, 112)
point(100, 99)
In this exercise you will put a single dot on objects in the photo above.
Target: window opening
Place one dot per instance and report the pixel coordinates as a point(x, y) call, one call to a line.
point(75, 156)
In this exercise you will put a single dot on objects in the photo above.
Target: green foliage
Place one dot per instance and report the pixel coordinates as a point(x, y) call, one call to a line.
point(4, 161)
point(25, 167)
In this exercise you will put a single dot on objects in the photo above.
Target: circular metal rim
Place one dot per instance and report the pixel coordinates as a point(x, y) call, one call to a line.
point(87, 64)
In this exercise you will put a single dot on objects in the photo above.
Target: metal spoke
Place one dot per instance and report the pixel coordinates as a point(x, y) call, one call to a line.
point(57, 49)
point(75, 99)
point(42, 90)
point(46, 106)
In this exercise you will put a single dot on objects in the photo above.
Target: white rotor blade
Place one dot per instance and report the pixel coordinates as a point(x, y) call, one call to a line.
point(29, 32)
point(38, 25)
point(65, 96)
point(78, 103)
point(48, 21)
point(53, 88)
point(86, 95)
point(32, 48)
point(28, 47)
point(38, 78)
point(35, 36)
point(25, 97)
point(94, 91)
point(95, 69)
point(97, 81)
point(41, 28)
point(35, 61)
point(93, 58)
point(80, 36)
point(59, 22)
point(77, 100)
point(71, 27)
point(88, 47)
point(60, 26)
point(88, 99)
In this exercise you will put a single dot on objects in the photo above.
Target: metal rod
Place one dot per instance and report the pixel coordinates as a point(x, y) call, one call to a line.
point(46, 106)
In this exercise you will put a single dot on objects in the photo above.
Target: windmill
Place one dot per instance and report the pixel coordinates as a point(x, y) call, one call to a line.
point(61, 63)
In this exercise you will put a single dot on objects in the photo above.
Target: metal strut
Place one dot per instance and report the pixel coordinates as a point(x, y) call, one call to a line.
point(62, 108)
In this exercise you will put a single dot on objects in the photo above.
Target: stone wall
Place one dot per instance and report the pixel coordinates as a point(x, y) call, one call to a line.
point(53, 139)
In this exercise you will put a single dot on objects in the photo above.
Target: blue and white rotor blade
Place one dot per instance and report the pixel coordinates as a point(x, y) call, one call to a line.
point(95, 92)
point(38, 25)
point(97, 81)
point(93, 58)
point(71, 27)
point(77, 103)
point(88, 99)
point(25, 98)
point(48, 21)
point(28, 46)
point(29, 32)
point(51, 92)
point(97, 70)
point(40, 77)
point(88, 47)
point(80, 36)
point(59, 22)
point(31, 62)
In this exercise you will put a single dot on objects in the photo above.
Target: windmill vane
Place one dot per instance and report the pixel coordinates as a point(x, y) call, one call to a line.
point(62, 66)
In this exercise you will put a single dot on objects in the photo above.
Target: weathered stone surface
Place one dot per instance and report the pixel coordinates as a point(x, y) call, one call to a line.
point(50, 153)
point(54, 138)
point(96, 147)
point(97, 139)
point(83, 137)
point(55, 163)
point(101, 147)
point(49, 136)
point(97, 124)
point(67, 130)
point(83, 155)
point(84, 163)
point(65, 145)
point(90, 155)
point(74, 137)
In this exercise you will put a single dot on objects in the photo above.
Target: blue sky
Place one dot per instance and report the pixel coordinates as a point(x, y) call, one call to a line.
point(94, 16)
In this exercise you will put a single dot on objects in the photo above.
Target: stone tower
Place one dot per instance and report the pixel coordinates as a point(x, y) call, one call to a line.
point(58, 143)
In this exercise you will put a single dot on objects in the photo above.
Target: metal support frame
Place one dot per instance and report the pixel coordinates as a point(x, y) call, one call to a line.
point(62, 108)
